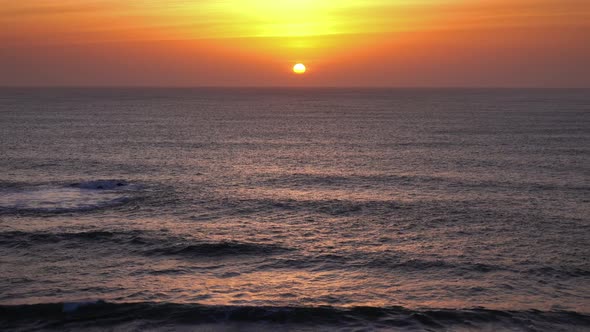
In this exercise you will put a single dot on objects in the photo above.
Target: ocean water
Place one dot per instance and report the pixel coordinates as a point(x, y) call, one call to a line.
point(295, 209)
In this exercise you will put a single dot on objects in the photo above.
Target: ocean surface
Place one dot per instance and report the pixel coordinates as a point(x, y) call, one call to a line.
point(295, 209)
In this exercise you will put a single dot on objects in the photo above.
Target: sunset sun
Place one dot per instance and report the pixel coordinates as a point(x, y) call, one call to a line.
point(299, 68)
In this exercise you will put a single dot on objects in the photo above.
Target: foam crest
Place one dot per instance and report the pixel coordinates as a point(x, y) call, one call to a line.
point(83, 196)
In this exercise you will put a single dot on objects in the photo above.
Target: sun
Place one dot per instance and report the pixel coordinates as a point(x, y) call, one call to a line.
point(299, 68)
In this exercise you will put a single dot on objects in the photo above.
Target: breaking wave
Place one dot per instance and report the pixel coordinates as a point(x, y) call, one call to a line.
point(80, 315)
point(64, 198)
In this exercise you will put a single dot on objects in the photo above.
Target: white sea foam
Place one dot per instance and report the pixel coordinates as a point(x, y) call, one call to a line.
point(81, 196)
point(69, 307)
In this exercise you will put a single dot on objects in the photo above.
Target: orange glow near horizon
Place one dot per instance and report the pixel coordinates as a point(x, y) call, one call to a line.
point(380, 42)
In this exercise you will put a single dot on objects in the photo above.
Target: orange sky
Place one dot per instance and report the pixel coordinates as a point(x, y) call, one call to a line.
point(500, 43)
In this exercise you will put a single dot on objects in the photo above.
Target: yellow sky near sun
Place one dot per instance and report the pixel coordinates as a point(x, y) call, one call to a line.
point(69, 21)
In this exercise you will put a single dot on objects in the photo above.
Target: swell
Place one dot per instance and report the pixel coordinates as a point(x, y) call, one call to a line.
point(331, 207)
point(224, 248)
point(138, 242)
point(301, 179)
point(331, 261)
point(101, 184)
point(396, 264)
point(104, 314)
point(16, 239)
point(152, 244)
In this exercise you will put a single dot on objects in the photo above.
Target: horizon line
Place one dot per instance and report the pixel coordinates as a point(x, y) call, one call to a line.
point(425, 87)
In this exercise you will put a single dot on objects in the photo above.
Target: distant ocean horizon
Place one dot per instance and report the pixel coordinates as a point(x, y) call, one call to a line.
point(280, 87)
point(295, 208)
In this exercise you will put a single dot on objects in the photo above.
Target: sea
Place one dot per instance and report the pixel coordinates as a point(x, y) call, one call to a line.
point(294, 209)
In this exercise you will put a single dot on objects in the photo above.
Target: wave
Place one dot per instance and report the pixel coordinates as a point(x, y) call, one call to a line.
point(334, 180)
point(337, 207)
point(80, 315)
point(331, 207)
point(154, 244)
point(328, 261)
point(66, 198)
point(28, 239)
point(139, 242)
point(101, 184)
point(560, 272)
point(421, 265)
point(224, 248)
point(396, 264)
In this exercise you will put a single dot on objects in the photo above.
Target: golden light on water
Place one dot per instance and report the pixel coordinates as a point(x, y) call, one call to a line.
point(299, 69)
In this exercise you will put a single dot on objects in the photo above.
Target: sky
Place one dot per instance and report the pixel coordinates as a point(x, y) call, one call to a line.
point(393, 43)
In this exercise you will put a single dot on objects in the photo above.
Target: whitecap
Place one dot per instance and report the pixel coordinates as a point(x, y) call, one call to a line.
point(69, 307)
point(67, 198)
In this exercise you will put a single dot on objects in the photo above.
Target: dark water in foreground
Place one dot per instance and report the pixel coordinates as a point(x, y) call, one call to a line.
point(300, 209)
